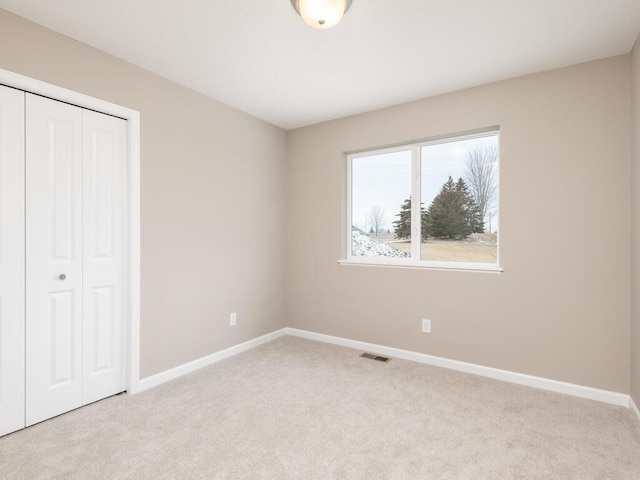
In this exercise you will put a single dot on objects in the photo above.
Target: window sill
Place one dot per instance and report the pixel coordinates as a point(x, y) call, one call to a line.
point(448, 266)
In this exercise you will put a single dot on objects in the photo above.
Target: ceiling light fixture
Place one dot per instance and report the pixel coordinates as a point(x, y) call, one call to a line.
point(321, 14)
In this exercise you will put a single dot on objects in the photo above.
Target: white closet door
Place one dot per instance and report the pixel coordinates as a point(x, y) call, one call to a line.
point(104, 201)
point(11, 260)
point(54, 258)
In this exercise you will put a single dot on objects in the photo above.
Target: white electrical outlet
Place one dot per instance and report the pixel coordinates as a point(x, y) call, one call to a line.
point(233, 319)
point(426, 325)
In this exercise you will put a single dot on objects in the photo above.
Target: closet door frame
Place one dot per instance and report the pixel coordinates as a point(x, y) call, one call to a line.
point(132, 257)
point(12, 261)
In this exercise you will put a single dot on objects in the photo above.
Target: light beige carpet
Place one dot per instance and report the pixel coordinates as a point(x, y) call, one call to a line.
point(297, 409)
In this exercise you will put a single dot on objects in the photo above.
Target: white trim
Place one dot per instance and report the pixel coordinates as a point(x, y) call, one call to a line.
point(605, 396)
point(574, 390)
point(443, 138)
point(173, 373)
point(415, 261)
point(410, 263)
point(498, 199)
point(633, 407)
point(403, 147)
point(448, 138)
point(347, 234)
point(54, 92)
point(132, 117)
point(133, 346)
point(416, 199)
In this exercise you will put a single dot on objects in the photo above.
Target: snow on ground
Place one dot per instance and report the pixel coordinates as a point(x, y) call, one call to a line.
point(363, 246)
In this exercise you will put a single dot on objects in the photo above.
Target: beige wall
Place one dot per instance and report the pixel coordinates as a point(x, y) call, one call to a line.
point(213, 193)
point(561, 308)
point(635, 225)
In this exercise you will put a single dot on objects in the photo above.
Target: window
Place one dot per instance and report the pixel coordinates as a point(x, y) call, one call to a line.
point(455, 183)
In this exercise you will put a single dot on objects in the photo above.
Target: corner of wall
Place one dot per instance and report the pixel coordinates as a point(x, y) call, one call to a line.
point(635, 223)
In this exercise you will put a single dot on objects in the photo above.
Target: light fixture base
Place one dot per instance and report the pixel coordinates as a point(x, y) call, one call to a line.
point(321, 14)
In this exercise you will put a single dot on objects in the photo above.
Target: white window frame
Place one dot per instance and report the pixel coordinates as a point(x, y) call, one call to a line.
point(416, 162)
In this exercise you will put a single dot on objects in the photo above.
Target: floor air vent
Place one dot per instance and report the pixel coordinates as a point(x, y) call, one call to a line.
point(371, 356)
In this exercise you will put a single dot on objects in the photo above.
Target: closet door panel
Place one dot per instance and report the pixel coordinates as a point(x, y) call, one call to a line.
point(54, 258)
point(11, 260)
point(104, 201)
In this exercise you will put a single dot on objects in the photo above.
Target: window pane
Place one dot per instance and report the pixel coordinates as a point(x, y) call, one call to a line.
point(459, 188)
point(380, 194)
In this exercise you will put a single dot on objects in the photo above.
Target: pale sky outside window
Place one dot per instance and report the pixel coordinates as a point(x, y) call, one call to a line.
point(384, 180)
point(443, 160)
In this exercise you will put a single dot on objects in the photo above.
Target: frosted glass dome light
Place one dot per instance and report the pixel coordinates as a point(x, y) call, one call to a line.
point(321, 14)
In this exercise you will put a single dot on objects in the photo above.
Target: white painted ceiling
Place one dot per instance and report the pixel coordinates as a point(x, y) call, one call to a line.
point(258, 55)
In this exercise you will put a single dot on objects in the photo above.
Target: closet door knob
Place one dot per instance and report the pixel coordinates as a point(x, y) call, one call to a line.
point(62, 276)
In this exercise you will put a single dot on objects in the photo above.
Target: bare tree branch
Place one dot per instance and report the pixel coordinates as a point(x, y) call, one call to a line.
point(377, 219)
point(480, 176)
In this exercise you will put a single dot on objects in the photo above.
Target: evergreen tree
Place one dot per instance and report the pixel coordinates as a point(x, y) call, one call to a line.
point(453, 213)
point(474, 212)
point(402, 226)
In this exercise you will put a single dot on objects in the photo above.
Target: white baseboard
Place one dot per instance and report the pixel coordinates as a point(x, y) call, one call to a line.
point(605, 396)
point(633, 407)
point(173, 373)
point(580, 391)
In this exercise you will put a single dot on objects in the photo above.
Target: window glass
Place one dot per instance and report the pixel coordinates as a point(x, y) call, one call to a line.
point(459, 192)
point(381, 185)
point(455, 184)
